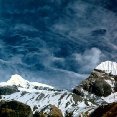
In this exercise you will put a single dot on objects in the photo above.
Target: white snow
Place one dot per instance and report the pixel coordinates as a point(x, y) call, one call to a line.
point(3, 84)
point(82, 104)
point(41, 85)
point(23, 84)
point(42, 99)
point(108, 67)
point(111, 98)
point(111, 82)
point(18, 81)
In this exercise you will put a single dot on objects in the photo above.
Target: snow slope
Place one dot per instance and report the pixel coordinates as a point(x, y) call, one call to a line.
point(41, 97)
point(108, 67)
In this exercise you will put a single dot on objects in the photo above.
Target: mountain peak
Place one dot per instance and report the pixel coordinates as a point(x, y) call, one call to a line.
point(17, 80)
point(108, 67)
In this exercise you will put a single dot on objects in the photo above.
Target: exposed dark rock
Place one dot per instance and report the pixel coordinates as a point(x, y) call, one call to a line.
point(69, 114)
point(53, 112)
point(109, 110)
point(23, 93)
point(115, 86)
point(14, 109)
point(115, 78)
point(96, 84)
point(7, 90)
point(78, 91)
point(35, 107)
point(101, 88)
point(39, 114)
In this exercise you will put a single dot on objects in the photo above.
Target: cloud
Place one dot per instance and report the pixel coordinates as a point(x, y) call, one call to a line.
point(82, 63)
point(88, 60)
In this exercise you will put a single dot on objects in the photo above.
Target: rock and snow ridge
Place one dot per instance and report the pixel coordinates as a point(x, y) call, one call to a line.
point(24, 84)
point(108, 67)
point(39, 98)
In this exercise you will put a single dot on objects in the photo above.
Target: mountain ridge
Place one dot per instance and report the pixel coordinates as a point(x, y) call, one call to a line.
point(86, 97)
point(24, 84)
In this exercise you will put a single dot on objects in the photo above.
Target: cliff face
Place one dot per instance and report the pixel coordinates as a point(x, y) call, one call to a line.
point(101, 82)
point(98, 83)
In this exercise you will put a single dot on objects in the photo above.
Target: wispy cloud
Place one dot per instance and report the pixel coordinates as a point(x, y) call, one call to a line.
point(88, 60)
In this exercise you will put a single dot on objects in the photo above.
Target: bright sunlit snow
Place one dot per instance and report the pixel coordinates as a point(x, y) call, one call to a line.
point(108, 67)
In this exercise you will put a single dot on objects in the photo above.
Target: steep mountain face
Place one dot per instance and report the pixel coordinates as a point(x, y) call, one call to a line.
point(99, 88)
point(101, 82)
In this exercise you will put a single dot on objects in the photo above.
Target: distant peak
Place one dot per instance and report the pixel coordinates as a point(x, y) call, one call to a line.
point(108, 67)
point(17, 80)
point(16, 77)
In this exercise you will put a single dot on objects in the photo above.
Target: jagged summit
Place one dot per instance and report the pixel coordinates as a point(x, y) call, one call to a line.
point(108, 67)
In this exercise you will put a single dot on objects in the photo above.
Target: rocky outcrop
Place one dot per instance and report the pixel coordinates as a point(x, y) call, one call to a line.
point(69, 114)
point(14, 109)
point(109, 110)
point(49, 111)
point(98, 83)
point(7, 90)
point(100, 88)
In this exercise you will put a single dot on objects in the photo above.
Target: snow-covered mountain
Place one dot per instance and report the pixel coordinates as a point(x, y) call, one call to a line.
point(108, 67)
point(25, 85)
point(38, 96)
point(102, 83)
point(99, 88)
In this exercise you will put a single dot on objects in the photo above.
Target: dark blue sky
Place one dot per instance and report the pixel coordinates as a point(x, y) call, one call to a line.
point(58, 42)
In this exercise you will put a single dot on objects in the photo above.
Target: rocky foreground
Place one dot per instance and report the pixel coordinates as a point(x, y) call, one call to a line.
point(18, 109)
point(96, 96)
point(109, 110)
